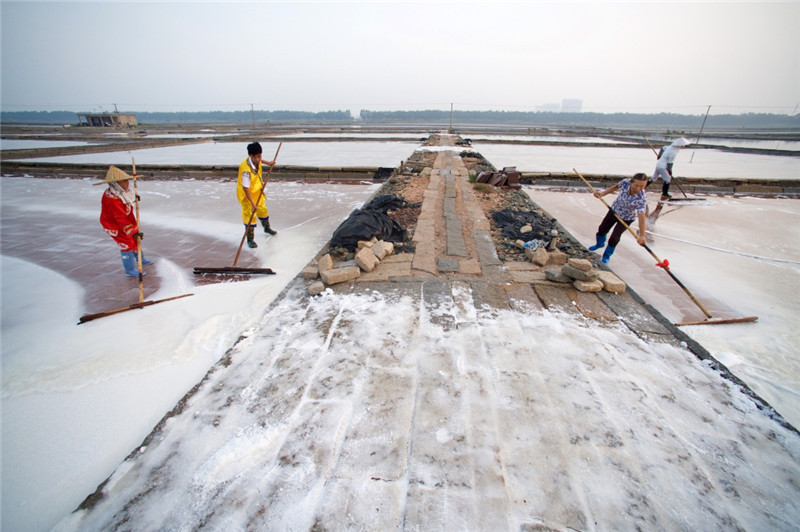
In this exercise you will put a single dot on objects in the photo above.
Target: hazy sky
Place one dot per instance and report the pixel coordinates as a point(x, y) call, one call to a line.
point(615, 56)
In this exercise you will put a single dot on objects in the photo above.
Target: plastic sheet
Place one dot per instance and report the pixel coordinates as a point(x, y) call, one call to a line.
point(370, 221)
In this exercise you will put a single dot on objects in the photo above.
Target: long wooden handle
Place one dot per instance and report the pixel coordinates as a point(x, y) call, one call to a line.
point(139, 231)
point(651, 147)
point(659, 262)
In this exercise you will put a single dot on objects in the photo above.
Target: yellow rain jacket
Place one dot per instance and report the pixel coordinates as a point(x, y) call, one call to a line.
point(246, 171)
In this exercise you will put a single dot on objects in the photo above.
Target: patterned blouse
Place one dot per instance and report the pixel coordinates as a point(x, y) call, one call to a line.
point(627, 206)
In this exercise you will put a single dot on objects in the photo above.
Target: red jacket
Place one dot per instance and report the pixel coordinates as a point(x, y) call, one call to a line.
point(119, 221)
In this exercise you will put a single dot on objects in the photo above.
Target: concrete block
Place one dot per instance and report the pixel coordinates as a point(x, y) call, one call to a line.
point(382, 249)
point(611, 283)
point(557, 258)
point(588, 286)
point(366, 243)
point(539, 256)
point(366, 259)
point(325, 263)
point(578, 275)
point(316, 288)
point(340, 275)
point(555, 275)
point(310, 272)
point(582, 264)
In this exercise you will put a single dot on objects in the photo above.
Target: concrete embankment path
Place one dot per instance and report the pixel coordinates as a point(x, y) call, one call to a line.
point(449, 390)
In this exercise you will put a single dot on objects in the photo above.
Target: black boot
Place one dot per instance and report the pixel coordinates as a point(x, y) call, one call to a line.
point(267, 228)
point(665, 195)
point(251, 236)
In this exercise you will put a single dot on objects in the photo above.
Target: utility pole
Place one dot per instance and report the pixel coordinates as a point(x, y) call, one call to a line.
point(253, 113)
point(701, 131)
point(451, 117)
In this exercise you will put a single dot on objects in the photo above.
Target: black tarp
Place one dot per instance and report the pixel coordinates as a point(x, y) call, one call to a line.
point(370, 221)
point(511, 221)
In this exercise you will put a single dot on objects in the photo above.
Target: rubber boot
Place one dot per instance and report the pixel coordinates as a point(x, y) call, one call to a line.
point(267, 228)
point(145, 261)
point(665, 195)
point(251, 236)
point(601, 241)
point(129, 263)
point(607, 254)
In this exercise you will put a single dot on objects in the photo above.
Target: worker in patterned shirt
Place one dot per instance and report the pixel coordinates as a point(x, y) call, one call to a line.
point(629, 205)
point(249, 192)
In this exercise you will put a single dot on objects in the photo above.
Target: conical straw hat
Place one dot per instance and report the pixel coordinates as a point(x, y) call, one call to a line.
point(114, 174)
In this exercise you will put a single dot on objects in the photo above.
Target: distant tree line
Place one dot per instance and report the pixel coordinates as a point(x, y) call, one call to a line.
point(520, 118)
point(202, 117)
point(545, 118)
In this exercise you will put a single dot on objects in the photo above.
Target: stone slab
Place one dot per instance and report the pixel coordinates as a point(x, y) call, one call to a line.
point(529, 276)
point(490, 294)
point(635, 316)
point(592, 306)
point(447, 265)
point(522, 298)
point(555, 298)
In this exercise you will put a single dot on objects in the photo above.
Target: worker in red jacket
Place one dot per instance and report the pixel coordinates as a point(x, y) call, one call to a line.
point(118, 218)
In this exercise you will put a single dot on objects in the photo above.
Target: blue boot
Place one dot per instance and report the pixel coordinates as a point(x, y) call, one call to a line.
point(144, 260)
point(607, 254)
point(601, 241)
point(129, 263)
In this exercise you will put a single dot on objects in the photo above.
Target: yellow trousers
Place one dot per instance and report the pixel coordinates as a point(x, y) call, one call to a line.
point(247, 211)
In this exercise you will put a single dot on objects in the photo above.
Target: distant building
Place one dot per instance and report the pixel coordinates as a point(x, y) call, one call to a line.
point(571, 105)
point(107, 119)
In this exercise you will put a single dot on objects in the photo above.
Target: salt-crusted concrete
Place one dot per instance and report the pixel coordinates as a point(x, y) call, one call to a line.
point(416, 398)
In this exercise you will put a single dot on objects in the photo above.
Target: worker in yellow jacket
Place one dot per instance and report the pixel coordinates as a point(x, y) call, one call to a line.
point(249, 187)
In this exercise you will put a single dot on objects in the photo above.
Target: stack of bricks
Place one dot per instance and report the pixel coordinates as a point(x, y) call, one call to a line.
point(369, 255)
point(585, 278)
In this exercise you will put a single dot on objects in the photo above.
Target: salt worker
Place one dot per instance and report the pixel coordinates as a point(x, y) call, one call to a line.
point(630, 204)
point(666, 159)
point(249, 192)
point(118, 219)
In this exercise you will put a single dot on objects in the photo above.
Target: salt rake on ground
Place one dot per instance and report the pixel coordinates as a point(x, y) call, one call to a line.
point(664, 264)
point(234, 270)
point(142, 303)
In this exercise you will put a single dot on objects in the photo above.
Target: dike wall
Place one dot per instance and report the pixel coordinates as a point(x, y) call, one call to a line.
point(335, 174)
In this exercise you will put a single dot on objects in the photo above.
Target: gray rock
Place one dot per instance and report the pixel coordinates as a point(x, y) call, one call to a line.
point(578, 275)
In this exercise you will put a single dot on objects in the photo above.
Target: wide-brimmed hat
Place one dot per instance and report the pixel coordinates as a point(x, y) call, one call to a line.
point(113, 175)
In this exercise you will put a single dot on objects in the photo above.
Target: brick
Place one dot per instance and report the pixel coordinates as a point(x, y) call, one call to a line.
point(316, 288)
point(555, 275)
point(579, 275)
point(588, 286)
point(582, 264)
point(539, 256)
point(557, 258)
point(611, 283)
point(340, 275)
point(366, 259)
point(325, 263)
point(310, 272)
point(381, 249)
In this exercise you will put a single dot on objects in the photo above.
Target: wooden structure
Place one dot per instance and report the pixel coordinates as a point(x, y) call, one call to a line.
point(107, 119)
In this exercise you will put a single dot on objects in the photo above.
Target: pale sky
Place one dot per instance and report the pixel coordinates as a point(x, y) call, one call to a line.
point(515, 56)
